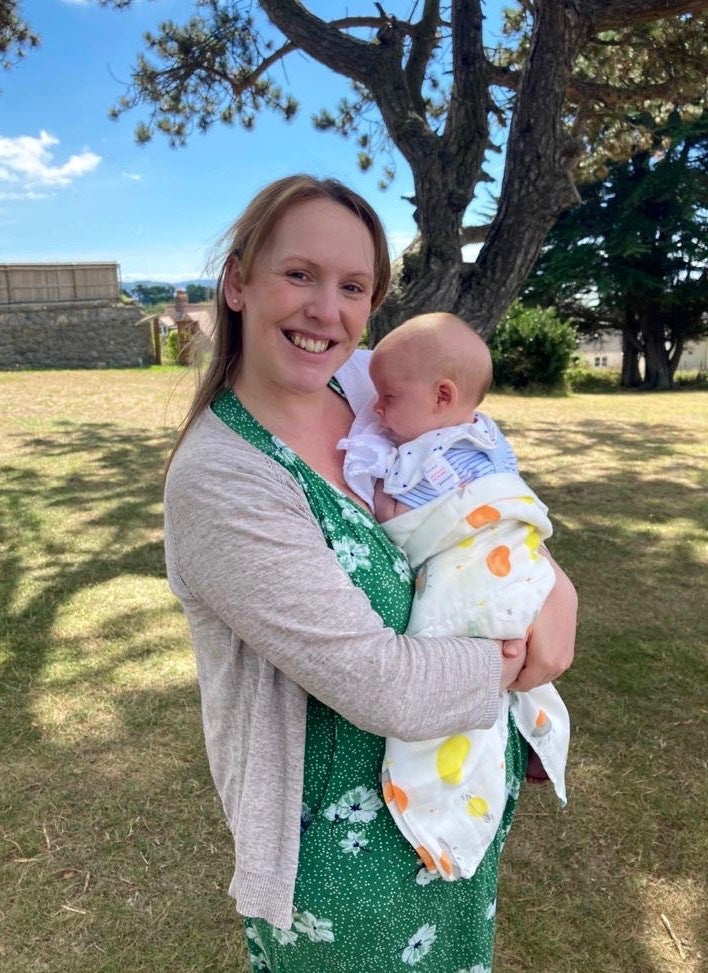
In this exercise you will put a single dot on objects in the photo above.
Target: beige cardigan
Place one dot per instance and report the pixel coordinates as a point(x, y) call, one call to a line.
point(274, 617)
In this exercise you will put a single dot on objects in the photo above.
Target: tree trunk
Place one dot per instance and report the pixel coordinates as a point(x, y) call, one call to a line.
point(675, 355)
point(631, 377)
point(657, 374)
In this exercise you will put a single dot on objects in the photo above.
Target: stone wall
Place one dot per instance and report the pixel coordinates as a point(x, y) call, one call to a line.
point(82, 335)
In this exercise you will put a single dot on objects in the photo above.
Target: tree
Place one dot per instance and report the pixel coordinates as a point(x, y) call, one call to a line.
point(430, 88)
point(199, 293)
point(634, 256)
point(15, 35)
point(151, 294)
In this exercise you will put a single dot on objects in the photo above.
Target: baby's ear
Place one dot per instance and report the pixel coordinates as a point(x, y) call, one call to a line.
point(446, 393)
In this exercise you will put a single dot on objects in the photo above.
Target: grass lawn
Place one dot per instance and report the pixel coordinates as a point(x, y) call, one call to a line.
point(113, 852)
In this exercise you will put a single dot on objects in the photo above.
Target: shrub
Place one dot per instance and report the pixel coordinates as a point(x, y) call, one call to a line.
point(580, 377)
point(170, 349)
point(695, 381)
point(531, 347)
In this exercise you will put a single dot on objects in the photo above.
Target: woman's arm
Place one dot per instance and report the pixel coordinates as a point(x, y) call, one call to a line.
point(551, 646)
point(243, 547)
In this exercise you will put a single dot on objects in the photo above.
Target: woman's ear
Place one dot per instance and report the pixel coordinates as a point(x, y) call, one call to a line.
point(446, 393)
point(233, 285)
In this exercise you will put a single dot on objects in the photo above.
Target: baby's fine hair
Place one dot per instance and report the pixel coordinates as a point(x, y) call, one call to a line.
point(442, 345)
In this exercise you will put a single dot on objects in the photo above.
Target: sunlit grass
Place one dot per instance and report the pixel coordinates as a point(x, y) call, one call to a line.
point(114, 855)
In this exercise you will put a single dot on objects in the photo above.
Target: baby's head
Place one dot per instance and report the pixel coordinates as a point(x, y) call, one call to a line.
point(431, 372)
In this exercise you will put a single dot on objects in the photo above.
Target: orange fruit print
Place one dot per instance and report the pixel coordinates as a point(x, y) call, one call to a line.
point(499, 561)
point(483, 515)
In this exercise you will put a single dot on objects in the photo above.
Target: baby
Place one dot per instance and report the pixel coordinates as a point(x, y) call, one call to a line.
point(444, 482)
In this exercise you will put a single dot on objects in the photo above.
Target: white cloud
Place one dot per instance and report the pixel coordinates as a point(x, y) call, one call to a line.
point(28, 162)
point(135, 176)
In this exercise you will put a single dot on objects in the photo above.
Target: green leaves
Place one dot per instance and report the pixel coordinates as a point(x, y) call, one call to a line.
point(531, 348)
point(16, 36)
point(208, 70)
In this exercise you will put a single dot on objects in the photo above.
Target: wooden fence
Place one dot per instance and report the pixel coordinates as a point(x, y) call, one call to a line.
point(58, 283)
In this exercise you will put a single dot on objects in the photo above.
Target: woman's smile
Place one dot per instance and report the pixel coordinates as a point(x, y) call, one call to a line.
point(308, 343)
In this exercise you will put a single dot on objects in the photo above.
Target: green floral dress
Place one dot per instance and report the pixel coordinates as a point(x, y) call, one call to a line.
point(364, 901)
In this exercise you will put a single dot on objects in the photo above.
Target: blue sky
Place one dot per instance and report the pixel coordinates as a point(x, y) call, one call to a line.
point(74, 186)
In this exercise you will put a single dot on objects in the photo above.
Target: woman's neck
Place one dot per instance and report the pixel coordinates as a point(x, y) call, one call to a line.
point(309, 423)
point(286, 413)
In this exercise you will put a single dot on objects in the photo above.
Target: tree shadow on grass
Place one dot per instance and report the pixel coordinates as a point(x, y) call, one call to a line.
point(585, 439)
point(103, 478)
point(108, 807)
point(124, 830)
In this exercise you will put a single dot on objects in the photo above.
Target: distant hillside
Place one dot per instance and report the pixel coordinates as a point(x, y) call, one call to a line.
point(152, 292)
point(129, 285)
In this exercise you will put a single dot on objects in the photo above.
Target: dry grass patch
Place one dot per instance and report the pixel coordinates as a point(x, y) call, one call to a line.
point(114, 855)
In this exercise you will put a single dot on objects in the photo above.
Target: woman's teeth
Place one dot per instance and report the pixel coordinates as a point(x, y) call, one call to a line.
point(309, 344)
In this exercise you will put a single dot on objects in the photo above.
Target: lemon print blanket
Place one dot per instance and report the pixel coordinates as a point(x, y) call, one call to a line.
point(481, 571)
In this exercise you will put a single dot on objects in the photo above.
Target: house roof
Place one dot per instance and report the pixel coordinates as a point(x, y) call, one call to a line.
point(202, 314)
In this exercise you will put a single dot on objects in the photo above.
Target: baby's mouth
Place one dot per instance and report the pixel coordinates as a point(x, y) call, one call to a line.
point(315, 345)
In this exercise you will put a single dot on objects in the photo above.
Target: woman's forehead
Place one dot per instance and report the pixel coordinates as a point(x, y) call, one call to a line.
point(315, 226)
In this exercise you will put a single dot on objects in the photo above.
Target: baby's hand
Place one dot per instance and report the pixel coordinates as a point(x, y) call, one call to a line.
point(513, 658)
point(513, 648)
point(384, 505)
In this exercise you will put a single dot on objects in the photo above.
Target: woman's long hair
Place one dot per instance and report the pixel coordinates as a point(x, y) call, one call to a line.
point(246, 240)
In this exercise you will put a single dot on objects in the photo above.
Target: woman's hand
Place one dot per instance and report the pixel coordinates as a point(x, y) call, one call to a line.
point(551, 643)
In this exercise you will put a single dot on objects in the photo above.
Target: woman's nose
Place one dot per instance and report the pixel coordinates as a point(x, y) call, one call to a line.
point(324, 305)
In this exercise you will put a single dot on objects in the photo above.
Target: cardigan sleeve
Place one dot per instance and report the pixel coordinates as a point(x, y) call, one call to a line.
point(241, 540)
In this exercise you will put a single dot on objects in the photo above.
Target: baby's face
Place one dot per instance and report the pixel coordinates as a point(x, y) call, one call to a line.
point(405, 406)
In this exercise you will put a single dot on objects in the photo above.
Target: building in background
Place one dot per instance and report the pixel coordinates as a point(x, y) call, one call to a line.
point(69, 315)
point(194, 324)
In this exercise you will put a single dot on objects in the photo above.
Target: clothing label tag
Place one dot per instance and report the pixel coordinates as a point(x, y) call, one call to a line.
point(440, 475)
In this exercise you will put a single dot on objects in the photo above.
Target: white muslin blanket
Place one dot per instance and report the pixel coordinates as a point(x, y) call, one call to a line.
point(480, 572)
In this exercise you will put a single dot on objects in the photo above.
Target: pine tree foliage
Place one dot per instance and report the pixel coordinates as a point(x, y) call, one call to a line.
point(16, 36)
point(633, 257)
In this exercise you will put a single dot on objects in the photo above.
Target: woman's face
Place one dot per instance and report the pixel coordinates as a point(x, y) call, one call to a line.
point(307, 301)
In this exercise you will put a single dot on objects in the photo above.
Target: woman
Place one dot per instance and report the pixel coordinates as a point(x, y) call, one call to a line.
point(294, 598)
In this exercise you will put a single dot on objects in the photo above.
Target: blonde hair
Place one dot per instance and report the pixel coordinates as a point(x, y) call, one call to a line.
point(245, 240)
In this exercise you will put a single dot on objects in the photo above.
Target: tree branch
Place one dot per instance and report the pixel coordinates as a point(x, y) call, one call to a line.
point(474, 234)
point(424, 41)
point(606, 14)
point(468, 97)
point(582, 91)
point(342, 24)
point(323, 41)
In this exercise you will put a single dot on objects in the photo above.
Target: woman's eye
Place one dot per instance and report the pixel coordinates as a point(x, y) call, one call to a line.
point(297, 274)
point(354, 288)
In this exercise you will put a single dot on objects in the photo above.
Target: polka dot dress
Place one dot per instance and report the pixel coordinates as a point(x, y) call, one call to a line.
point(364, 901)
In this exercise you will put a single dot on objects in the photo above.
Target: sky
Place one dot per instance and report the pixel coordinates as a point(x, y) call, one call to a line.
point(75, 187)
